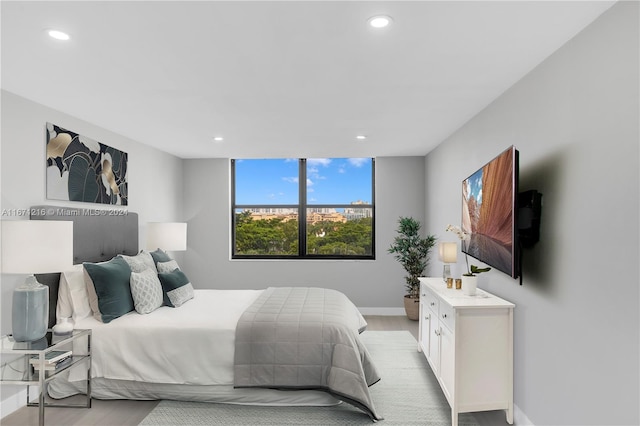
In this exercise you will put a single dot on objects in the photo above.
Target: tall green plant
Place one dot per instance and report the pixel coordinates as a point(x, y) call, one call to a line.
point(412, 251)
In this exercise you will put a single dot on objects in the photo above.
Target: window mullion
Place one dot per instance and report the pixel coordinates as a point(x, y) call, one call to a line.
point(302, 209)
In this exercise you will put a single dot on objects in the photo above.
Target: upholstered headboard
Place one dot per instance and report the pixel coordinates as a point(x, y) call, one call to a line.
point(98, 235)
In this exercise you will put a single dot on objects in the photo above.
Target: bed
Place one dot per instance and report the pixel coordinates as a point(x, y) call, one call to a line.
point(272, 346)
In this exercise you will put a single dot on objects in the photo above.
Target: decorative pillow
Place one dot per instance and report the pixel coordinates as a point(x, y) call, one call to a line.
point(109, 289)
point(160, 256)
point(140, 262)
point(146, 291)
point(176, 287)
point(73, 301)
point(166, 267)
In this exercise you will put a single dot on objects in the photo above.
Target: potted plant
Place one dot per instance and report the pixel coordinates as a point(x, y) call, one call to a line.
point(469, 279)
point(412, 251)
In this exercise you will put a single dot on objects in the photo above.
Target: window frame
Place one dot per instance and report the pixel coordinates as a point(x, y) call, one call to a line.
point(302, 207)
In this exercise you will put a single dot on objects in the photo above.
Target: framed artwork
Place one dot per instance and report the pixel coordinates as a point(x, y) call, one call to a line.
point(81, 169)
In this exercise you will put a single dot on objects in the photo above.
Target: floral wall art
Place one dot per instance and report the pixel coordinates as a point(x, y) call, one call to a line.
point(81, 169)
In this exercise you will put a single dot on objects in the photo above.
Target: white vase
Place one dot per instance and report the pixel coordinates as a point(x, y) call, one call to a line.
point(469, 285)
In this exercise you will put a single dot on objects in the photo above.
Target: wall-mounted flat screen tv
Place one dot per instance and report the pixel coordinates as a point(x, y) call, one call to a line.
point(489, 211)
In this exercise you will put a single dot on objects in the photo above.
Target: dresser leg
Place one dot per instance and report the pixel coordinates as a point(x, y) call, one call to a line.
point(510, 414)
point(454, 418)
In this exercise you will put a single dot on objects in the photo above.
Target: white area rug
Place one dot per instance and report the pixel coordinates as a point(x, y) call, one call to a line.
point(408, 394)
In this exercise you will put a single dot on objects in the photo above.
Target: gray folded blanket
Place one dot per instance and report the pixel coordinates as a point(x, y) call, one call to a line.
point(305, 338)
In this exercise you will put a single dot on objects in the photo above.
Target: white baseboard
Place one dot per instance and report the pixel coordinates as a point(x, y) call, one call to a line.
point(382, 311)
point(13, 403)
point(519, 418)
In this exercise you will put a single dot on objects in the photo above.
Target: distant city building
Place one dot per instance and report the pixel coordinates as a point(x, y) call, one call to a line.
point(273, 210)
point(314, 218)
point(358, 213)
point(273, 213)
point(314, 214)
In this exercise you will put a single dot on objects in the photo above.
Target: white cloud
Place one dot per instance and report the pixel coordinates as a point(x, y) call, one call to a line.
point(358, 162)
point(319, 161)
point(309, 183)
point(292, 179)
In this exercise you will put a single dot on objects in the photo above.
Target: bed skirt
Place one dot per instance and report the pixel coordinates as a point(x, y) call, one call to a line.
point(124, 389)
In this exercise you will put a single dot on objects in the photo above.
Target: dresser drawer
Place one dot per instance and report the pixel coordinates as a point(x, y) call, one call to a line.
point(447, 316)
point(430, 300)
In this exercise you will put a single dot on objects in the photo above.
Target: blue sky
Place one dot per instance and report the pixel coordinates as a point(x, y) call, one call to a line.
point(475, 185)
point(329, 181)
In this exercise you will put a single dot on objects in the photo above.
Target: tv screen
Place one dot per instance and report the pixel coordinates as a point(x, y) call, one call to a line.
point(489, 213)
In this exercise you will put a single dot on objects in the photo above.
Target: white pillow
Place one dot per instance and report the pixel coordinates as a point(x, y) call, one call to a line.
point(73, 300)
point(64, 308)
point(166, 267)
point(146, 291)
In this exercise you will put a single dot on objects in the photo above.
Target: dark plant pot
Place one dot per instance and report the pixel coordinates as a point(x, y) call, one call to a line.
point(412, 308)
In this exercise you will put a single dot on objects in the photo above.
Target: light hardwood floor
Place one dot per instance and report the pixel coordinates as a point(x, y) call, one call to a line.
point(131, 413)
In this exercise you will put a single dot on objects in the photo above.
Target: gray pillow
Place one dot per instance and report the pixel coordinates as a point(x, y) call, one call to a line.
point(166, 267)
point(146, 291)
point(140, 262)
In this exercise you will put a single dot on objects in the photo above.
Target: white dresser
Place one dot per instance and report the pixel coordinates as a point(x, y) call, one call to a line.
point(468, 341)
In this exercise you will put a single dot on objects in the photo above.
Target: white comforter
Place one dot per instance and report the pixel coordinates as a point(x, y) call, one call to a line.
point(192, 344)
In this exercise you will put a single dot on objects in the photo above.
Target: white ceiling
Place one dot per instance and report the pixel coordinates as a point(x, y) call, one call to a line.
point(280, 79)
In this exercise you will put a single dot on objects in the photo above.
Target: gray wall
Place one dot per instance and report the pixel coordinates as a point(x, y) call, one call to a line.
point(155, 181)
point(379, 283)
point(575, 121)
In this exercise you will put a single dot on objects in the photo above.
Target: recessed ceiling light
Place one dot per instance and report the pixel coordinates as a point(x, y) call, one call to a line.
point(380, 21)
point(361, 137)
point(218, 138)
point(58, 35)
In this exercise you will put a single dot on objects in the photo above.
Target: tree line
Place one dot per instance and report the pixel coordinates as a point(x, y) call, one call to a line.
point(277, 237)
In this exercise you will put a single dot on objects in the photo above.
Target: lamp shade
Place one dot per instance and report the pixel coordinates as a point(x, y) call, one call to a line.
point(448, 252)
point(36, 246)
point(171, 236)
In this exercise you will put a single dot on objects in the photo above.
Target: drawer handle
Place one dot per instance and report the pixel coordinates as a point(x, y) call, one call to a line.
point(433, 303)
point(444, 315)
point(427, 317)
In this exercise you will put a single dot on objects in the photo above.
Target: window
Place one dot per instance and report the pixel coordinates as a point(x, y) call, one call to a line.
point(321, 208)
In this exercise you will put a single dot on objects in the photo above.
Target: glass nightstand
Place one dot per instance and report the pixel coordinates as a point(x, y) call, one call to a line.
point(16, 368)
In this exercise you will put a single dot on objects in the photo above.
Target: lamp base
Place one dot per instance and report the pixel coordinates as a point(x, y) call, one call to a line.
point(30, 311)
point(446, 272)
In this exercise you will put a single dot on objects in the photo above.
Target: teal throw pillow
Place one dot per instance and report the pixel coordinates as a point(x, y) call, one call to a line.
point(110, 282)
point(176, 288)
point(160, 256)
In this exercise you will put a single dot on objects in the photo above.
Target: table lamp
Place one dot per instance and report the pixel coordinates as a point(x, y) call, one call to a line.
point(448, 253)
point(34, 247)
point(169, 236)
